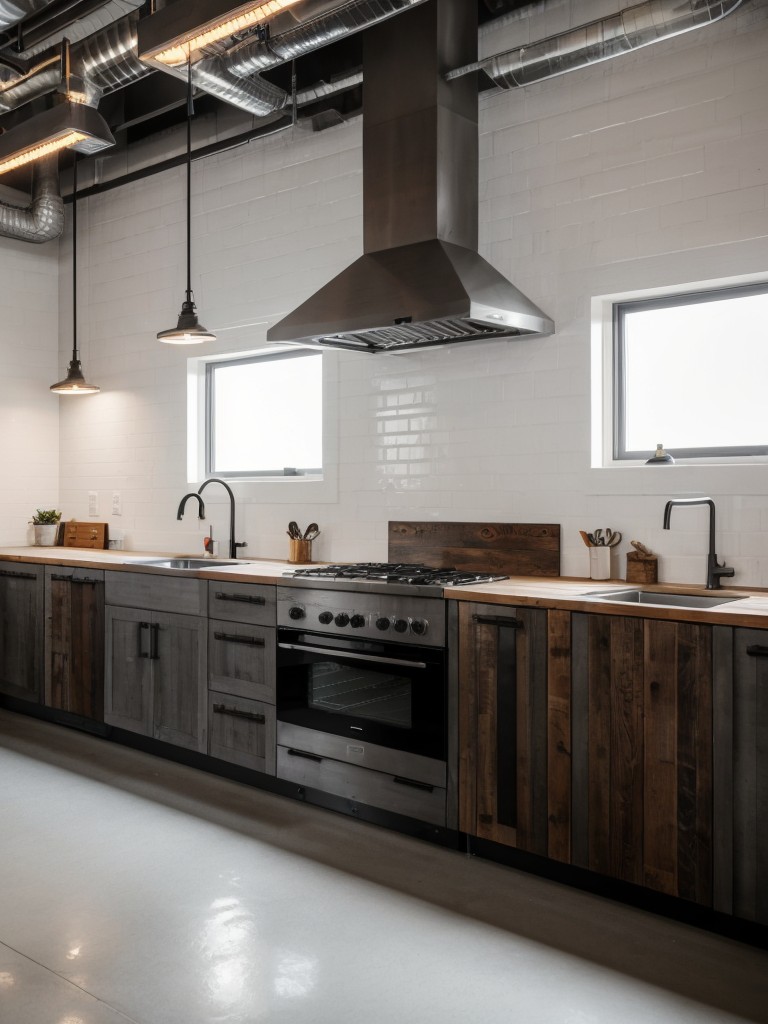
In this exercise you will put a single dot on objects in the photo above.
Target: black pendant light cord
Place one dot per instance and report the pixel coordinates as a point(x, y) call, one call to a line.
point(190, 115)
point(75, 353)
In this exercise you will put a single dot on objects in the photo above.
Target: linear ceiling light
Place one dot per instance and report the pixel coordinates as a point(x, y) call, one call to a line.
point(174, 33)
point(66, 126)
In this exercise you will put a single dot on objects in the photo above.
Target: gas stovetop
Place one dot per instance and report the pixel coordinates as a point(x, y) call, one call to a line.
point(394, 573)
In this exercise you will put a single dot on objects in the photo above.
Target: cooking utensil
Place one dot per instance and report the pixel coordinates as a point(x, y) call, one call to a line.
point(641, 548)
point(586, 538)
point(311, 532)
point(293, 531)
point(612, 538)
point(598, 535)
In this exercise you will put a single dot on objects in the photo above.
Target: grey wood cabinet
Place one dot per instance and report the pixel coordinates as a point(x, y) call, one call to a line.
point(21, 630)
point(74, 640)
point(155, 675)
point(241, 674)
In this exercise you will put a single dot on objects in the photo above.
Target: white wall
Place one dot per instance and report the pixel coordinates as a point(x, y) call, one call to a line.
point(644, 171)
point(29, 354)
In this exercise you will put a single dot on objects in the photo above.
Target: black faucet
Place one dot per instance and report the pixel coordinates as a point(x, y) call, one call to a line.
point(233, 544)
point(714, 569)
point(183, 502)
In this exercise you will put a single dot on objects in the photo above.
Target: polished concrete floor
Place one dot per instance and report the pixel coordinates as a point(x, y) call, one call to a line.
point(137, 890)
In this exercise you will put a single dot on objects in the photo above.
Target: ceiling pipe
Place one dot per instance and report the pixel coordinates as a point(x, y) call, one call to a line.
point(628, 30)
point(43, 219)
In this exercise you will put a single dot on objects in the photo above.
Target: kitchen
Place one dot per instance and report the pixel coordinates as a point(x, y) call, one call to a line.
point(591, 184)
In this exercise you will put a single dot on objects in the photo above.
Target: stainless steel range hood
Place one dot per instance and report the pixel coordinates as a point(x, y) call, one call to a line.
point(420, 281)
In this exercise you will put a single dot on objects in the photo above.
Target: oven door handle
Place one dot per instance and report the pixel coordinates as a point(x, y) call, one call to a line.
point(353, 654)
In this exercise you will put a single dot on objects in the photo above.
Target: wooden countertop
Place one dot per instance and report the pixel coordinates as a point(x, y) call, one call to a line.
point(572, 593)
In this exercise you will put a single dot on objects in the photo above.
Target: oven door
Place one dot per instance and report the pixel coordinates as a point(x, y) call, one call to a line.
point(393, 695)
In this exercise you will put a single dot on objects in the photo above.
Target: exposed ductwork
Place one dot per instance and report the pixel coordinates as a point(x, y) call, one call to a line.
point(43, 219)
point(636, 26)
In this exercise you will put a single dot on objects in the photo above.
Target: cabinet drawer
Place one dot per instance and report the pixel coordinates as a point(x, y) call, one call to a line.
point(150, 590)
point(241, 659)
point(242, 732)
point(361, 785)
point(242, 602)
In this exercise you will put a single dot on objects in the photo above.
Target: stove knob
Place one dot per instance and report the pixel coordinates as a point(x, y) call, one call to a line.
point(296, 612)
point(382, 624)
point(357, 621)
point(342, 619)
point(419, 627)
point(401, 625)
point(325, 617)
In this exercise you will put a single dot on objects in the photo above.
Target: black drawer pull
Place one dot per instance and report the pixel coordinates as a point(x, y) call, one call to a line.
point(757, 651)
point(304, 753)
point(497, 620)
point(142, 652)
point(73, 579)
point(252, 716)
point(244, 598)
point(18, 575)
point(231, 638)
point(413, 784)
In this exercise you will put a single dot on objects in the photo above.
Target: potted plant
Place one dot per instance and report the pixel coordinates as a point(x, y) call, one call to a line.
point(46, 524)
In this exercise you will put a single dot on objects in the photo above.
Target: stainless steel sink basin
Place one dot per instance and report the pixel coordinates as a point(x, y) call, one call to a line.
point(190, 563)
point(668, 600)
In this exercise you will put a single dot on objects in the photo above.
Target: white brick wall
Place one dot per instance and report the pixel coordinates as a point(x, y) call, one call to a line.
point(643, 171)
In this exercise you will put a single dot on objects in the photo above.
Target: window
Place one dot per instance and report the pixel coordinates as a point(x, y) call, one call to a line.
point(264, 415)
point(690, 372)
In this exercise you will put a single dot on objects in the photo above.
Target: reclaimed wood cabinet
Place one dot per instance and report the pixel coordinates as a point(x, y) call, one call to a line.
point(241, 674)
point(74, 640)
point(21, 630)
point(155, 675)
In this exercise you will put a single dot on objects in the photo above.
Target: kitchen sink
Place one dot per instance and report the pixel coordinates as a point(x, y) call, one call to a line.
point(670, 600)
point(191, 563)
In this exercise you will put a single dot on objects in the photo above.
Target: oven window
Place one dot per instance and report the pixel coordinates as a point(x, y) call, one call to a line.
point(350, 690)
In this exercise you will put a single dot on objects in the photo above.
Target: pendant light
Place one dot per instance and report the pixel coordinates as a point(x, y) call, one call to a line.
point(188, 331)
point(74, 383)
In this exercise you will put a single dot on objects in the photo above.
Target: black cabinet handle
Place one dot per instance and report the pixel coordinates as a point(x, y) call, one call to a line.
point(304, 753)
point(497, 620)
point(757, 651)
point(244, 598)
point(252, 716)
point(231, 638)
point(413, 784)
point(142, 652)
point(154, 637)
point(73, 579)
point(18, 575)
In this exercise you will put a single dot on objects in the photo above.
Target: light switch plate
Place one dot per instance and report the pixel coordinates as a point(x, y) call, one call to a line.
point(93, 503)
point(117, 504)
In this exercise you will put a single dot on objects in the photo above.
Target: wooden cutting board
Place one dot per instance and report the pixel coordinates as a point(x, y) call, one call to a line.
point(515, 549)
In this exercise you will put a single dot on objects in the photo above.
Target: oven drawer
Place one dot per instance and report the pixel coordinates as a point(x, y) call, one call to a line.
point(242, 602)
point(242, 732)
point(396, 794)
point(241, 659)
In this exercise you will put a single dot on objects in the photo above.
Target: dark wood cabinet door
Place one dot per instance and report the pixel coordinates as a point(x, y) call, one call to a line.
point(75, 645)
point(21, 632)
point(178, 648)
point(128, 670)
point(642, 752)
point(502, 725)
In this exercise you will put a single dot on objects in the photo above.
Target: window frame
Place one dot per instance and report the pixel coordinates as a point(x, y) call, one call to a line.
point(287, 472)
point(620, 453)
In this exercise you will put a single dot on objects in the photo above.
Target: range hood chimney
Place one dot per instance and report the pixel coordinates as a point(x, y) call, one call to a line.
point(421, 281)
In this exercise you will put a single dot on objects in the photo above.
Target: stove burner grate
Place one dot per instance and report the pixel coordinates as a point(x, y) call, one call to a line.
point(415, 575)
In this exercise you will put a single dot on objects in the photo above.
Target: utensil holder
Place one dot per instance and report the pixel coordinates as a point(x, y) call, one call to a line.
point(299, 551)
point(642, 568)
point(600, 562)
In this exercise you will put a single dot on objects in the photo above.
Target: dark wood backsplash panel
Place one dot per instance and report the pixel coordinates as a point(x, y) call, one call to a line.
point(515, 549)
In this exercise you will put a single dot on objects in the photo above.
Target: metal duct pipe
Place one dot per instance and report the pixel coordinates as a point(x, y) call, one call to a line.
point(252, 55)
point(108, 61)
point(43, 219)
point(636, 26)
point(254, 95)
point(39, 80)
point(321, 90)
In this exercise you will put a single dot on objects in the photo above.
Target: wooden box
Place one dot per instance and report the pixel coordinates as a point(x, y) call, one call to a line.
point(642, 568)
point(85, 535)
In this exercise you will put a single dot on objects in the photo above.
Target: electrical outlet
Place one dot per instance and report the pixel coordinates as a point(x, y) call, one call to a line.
point(117, 504)
point(93, 503)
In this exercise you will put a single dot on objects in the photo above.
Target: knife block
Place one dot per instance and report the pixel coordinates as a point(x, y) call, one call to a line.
point(642, 568)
